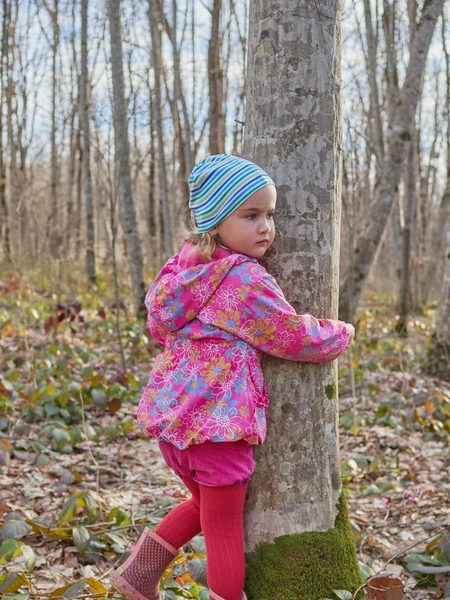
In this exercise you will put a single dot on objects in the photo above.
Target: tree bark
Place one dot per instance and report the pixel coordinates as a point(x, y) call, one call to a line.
point(437, 227)
point(398, 140)
point(298, 540)
point(54, 218)
point(439, 350)
point(84, 109)
point(122, 149)
point(215, 82)
point(154, 19)
point(4, 230)
point(373, 83)
point(409, 209)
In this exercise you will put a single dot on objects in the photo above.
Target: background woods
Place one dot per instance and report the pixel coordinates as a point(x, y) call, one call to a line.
point(105, 106)
point(169, 80)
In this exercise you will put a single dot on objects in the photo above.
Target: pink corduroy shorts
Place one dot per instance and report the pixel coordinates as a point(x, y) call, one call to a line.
point(215, 464)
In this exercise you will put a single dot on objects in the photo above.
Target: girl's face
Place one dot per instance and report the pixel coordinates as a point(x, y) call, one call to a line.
point(250, 229)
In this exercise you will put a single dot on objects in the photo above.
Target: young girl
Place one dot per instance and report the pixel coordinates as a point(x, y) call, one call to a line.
point(215, 310)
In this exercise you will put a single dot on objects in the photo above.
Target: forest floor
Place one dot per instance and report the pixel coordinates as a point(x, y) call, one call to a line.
point(78, 482)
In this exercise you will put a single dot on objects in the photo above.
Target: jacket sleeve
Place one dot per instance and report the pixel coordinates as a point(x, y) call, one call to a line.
point(155, 327)
point(251, 305)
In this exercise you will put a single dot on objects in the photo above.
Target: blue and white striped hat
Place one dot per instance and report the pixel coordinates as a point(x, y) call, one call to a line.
point(219, 184)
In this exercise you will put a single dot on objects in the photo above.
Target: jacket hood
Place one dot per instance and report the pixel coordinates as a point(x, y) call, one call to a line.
point(186, 284)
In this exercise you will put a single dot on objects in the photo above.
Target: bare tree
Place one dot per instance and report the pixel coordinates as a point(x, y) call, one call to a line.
point(438, 224)
point(401, 123)
point(4, 230)
point(55, 237)
point(122, 149)
point(154, 19)
point(215, 81)
point(439, 350)
point(84, 110)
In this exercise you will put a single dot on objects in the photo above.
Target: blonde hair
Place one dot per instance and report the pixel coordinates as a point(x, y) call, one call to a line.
point(206, 242)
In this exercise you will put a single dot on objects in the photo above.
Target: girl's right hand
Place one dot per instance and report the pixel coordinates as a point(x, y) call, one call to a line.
point(351, 331)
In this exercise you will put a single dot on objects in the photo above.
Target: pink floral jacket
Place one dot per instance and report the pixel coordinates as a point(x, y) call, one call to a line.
point(215, 320)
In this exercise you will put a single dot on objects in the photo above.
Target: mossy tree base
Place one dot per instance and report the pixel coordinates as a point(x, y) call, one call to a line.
point(438, 359)
point(307, 566)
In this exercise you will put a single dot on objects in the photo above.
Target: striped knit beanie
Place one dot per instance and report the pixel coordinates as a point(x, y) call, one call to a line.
point(219, 184)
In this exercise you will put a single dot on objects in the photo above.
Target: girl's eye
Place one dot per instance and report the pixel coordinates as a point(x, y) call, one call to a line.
point(251, 217)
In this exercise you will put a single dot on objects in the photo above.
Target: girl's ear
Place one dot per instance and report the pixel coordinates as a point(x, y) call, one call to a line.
point(213, 231)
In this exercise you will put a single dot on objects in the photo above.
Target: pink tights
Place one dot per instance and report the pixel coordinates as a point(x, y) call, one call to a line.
point(218, 512)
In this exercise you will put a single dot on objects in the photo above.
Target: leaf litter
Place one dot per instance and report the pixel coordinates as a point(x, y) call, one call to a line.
point(84, 482)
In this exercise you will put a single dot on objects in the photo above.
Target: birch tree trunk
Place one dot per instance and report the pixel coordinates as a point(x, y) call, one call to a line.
point(122, 148)
point(298, 540)
point(84, 109)
point(398, 140)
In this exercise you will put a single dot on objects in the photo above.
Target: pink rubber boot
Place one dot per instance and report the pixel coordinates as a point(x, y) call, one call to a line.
point(214, 596)
point(138, 577)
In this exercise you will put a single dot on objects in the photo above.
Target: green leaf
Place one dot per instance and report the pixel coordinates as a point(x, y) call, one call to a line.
point(9, 549)
point(343, 594)
point(99, 398)
point(365, 572)
point(119, 515)
point(168, 595)
point(70, 590)
point(97, 587)
point(11, 583)
point(92, 506)
point(65, 476)
point(81, 538)
point(119, 544)
point(70, 509)
point(91, 433)
point(384, 486)
point(198, 544)
point(29, 556)
point(61, 437)
point(197, 570)
point(14, 527)
point(42, 460)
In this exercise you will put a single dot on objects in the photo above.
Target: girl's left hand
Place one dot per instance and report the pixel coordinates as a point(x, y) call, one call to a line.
point(351, 331)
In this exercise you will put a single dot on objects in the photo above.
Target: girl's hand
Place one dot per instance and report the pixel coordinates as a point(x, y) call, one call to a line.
point(351, 331)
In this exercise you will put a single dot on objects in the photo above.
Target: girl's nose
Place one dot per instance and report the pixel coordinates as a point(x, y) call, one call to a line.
point(265, 227)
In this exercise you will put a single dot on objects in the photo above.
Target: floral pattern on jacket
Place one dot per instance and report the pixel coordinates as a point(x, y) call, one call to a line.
point(215, 320)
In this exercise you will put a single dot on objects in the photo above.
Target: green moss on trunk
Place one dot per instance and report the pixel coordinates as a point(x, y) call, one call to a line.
point(305, 566)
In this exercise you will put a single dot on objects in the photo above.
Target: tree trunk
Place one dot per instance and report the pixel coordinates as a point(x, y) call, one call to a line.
point(398, 140)
point(215, 81)
point(84, 110)
point(439, 350)
point(122, 149)
point(178, 93)
point(154, 19)
point(409, 209)
point(54, 217)
point(4, 230)
point(375, 111)
point(437, 227)
point(298, 539)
